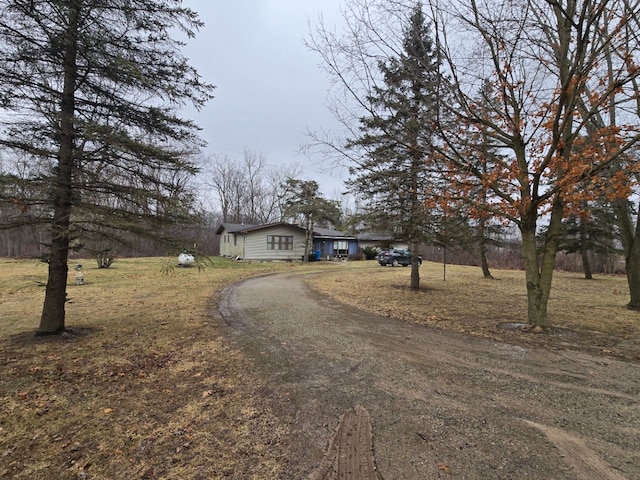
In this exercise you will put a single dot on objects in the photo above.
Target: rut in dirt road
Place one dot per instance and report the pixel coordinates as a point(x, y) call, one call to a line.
point(442, 405)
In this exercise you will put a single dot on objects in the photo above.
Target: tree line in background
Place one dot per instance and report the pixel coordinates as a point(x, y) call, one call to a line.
point(241, 191)
point(461, 122)
point(457, 239)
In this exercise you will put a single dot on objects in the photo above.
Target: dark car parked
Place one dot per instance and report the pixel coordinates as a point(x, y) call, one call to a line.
point(396, 257)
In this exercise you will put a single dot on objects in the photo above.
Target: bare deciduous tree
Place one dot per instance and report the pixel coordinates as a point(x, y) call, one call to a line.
point(542, 60)
point(248, 191)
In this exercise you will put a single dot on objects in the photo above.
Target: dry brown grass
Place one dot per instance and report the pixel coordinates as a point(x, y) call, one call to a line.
point(589, 314)
point(144, 388)
point(147, 387)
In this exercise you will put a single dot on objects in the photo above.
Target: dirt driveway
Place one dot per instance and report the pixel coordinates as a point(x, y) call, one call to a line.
point(441, 405)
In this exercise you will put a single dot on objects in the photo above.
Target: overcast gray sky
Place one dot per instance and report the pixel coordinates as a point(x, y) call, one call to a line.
point(270, 89)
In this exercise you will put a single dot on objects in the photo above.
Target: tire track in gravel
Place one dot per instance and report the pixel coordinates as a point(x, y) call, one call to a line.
point(442, 405)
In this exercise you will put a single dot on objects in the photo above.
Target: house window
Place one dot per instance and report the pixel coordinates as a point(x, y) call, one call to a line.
point(279, 242)
point(340, 248)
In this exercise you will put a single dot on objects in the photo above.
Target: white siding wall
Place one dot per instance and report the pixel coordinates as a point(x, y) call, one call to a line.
point(256, 244)
point(231, 245)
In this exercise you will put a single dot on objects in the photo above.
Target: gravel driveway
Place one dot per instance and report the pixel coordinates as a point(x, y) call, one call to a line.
point(441, 405)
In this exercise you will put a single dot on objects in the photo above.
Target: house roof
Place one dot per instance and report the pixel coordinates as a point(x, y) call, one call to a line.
point(233, 227)
point(243, 228)
point(375, 236)
point(330, 233)
point(253, 228)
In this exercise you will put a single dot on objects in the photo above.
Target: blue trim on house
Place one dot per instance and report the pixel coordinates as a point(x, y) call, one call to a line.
point(329, 247)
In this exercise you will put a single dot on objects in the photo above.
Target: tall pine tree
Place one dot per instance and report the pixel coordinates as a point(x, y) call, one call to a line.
point(89, 93)
point(396, 138)
point(303, 201)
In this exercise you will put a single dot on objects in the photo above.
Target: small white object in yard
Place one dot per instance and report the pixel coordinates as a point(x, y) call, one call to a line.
point(79, 274)
point(185, 260)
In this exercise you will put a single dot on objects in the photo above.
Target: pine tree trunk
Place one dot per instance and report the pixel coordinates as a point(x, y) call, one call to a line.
point(484, 264)
point(308, 235)
point(584, 250)
point(415, 267)
point(586, 265)
point(52, 320)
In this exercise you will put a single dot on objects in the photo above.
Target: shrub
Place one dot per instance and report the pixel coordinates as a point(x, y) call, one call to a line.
point(370, 252)
point(104, 257)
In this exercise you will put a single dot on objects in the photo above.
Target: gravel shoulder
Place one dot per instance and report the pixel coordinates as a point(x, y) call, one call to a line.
point(442, 405)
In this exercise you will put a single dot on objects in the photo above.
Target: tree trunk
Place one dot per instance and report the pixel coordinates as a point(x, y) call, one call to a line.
point(632, 264)
point(586, 264)
point(482, 246)
point(52, 320)
point(415, 266)
point(539, 276)
point(536, 306)
point(629, 238)
point(631, 246)
point(483, 263)
point(307, 239)
point(584, 249)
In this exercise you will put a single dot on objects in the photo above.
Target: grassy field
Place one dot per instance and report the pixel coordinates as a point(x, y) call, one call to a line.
point(144, 388)
point(585, 314)
point(147, 387)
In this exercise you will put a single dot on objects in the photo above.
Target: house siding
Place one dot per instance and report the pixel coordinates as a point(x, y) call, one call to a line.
point(256, 248)
point(231, 244)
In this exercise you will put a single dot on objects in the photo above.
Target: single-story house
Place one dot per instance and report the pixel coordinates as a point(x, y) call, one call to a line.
point(274, 241)
point(285, 241)
point(282, 241)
